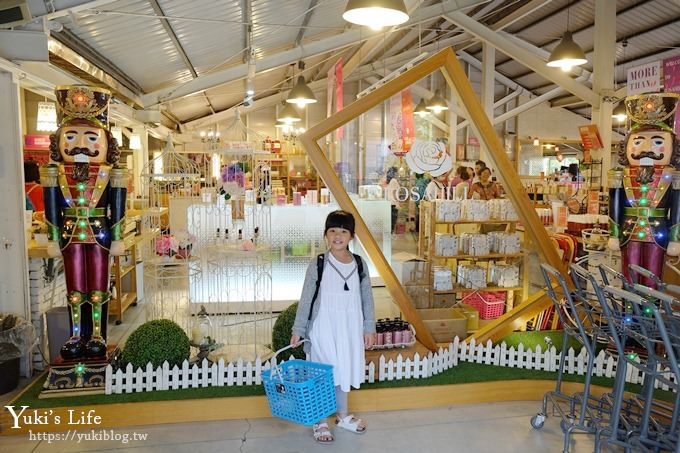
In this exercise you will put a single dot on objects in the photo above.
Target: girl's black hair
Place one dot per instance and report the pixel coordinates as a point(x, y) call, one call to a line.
point(340, 219)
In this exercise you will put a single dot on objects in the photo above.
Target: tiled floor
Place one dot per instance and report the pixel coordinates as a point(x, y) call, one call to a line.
point(500, 427)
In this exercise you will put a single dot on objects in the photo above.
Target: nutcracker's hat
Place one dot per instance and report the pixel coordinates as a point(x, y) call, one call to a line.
point(652, 110)
point(83, 104)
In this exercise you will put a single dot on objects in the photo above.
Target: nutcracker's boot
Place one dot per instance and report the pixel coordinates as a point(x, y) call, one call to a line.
point(96, 346)
point(75, 346)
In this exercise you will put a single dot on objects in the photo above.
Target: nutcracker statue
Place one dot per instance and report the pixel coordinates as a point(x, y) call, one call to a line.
point(85, 207)
point(644, 195)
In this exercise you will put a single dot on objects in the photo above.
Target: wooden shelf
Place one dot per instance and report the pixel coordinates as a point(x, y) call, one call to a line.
point(459, 289)
point(490, 256)
point(124, 271)
point(476, 222)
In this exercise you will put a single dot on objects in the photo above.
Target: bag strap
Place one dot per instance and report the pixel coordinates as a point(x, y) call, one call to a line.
point(319, 273)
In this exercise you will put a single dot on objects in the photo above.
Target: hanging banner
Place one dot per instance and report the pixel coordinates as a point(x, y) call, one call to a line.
point(37, 142)
point(671, 82)
point(330, 89)
point(396, 145)
point(645, 78)
point(338, 93)
point(408, 125)
point(590, 136)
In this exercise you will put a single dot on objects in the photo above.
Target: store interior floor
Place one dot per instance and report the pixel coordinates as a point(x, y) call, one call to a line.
point(497, 427)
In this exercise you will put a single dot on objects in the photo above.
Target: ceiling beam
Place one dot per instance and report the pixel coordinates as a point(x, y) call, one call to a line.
point(305, 22)
point(328, 44)
point(40, 11)
point(70, 40)
point(524, 56)
point(567, 101)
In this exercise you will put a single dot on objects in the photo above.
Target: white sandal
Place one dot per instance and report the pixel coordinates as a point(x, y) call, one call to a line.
point(321, 430)
point(350, 423)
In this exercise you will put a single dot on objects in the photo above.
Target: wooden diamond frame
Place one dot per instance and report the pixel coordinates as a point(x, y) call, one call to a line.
point(448, 63)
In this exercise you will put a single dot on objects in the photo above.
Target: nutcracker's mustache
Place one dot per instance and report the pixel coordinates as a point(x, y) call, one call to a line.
point(650, 154)
point(86, 151)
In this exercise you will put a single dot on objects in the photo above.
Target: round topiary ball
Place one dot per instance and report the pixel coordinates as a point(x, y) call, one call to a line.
point(282, 331)
point(156, 342)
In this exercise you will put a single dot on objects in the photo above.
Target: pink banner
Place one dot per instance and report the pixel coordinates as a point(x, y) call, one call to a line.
point(397, 125)
point(671, 82)
point(338, 93)
point(407, 119)
point(37, 142)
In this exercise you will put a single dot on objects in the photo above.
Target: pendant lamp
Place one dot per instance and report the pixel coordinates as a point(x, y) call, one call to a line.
point(289, 114)
point(301, 94)
point(567, 54)
point(437, 103)
point(47, 117)
point(619, 113)
point(376, 13)
point(421, 109)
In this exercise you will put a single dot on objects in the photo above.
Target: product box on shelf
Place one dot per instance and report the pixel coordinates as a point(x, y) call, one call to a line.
point(444, 323)
point(420, 295)
point(410, 269)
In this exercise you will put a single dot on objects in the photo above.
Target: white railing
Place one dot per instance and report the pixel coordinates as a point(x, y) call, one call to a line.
point(221, 374)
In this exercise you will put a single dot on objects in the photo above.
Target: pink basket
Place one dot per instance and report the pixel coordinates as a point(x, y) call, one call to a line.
point(489, 304)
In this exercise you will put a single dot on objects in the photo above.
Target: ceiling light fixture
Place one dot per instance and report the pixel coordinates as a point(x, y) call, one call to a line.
point(437, 103)
point(47, 117)
point(619, 113)
point(117, 133)
point(421, 109)
point(250, 88)
point(567, 53)
point(135, 141)
point(289, 114)
point(376, 13)
point(301, 94)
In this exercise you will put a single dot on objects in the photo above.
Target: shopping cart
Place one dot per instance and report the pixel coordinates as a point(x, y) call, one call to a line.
point(638, 421)
point(580, 412)
point(300, 391)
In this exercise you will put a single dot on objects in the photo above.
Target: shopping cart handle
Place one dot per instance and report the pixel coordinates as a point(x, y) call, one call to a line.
point(655, 294)
point(644, 272)
point(627, 295)
point(673, 288)
point(289, 346)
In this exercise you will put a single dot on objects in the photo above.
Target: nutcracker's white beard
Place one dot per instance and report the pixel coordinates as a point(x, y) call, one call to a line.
point(645, 174)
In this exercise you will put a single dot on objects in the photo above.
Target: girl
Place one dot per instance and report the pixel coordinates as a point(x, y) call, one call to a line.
point(485, 189)
point(342, 321)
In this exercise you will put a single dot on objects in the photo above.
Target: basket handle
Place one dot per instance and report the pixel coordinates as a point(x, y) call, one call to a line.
point(289, 346)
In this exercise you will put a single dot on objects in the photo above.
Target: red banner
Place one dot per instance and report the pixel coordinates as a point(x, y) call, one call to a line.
point(408, 125)
point(590, 136)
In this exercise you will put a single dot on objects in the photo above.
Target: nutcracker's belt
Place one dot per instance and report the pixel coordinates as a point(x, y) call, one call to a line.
point(85, 212)
point(645, 212)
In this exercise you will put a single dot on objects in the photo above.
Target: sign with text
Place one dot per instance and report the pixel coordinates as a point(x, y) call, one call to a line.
point(590, 136)
point(593, 202)
point(645, 78)
point(37, 142)
point(671, 82)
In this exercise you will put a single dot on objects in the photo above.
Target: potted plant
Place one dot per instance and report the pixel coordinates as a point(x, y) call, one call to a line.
point(17, 337)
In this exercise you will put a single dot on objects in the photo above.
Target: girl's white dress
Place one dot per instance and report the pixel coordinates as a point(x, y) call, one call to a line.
point(337, 333)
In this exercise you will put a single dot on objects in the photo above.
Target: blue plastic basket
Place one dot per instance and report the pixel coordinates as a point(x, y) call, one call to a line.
point(300, 391)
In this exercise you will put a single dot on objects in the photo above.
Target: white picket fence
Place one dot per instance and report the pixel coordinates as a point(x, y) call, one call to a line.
point(221, 374)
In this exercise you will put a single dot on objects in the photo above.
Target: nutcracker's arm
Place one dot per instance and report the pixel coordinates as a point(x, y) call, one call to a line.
point(117, 195)
point(617, 198)
point(674, 220)
point(49, 179)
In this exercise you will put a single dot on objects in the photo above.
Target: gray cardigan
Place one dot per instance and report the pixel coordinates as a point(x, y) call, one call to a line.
point(303, 324)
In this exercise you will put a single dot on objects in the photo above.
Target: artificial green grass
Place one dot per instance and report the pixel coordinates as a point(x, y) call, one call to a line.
point(532, 339)
point(463, 373)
